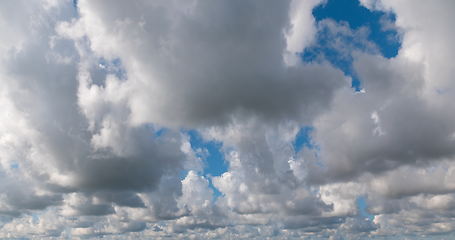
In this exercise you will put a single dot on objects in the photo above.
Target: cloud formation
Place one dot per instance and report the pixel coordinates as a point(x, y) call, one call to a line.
point(97, 99)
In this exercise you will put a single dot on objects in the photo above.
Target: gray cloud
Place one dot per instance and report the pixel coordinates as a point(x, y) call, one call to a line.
point(88, 87)
point(200, 48)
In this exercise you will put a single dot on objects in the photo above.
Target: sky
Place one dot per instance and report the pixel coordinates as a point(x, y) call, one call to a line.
point(241, 119)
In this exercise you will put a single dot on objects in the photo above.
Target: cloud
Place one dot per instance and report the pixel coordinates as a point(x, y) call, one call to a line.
point(97, 98)
point(159, 62)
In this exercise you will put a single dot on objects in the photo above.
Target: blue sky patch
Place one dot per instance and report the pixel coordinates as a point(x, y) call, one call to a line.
point(337, 47)
point(214, 162)
point(114, 67)
point(14, 165)
point(159, 132)
point(380, 24)
point(303, 139)
point(362, 208)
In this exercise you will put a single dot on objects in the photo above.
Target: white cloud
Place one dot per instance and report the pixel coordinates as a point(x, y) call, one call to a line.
point(86, 89)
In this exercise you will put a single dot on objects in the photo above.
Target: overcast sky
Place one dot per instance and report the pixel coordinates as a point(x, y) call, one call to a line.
point(236, 119)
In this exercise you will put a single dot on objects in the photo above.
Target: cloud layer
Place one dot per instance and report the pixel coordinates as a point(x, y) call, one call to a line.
point(98, 98)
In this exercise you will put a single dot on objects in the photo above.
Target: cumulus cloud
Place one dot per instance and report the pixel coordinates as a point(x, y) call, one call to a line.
point(97, 99)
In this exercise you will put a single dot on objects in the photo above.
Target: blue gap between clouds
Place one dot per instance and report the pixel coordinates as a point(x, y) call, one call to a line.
point(214, 162)
point(209, 151)
point(303, 139)
point(362, 208)
point(356, 15)
point(114, 67)
point(351, 12)
point(160, 132)
point(14, 165)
